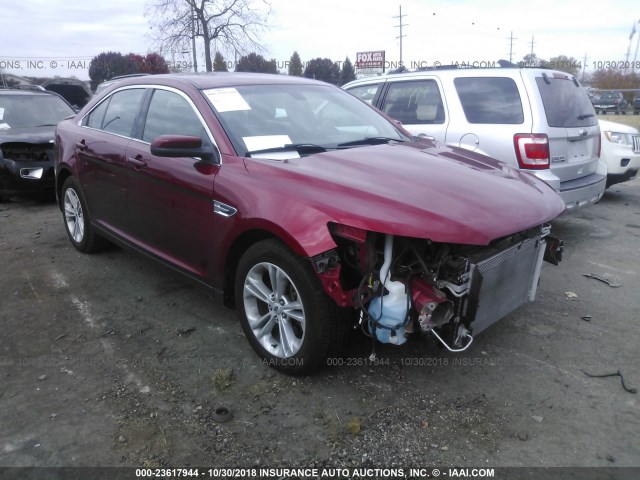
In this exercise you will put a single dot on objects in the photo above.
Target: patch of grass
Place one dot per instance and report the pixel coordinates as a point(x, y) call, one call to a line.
point(222, 379)
point(150, 463)
point(631, 120)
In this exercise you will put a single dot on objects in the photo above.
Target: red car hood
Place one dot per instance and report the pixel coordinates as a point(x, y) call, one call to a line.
point(441, 193)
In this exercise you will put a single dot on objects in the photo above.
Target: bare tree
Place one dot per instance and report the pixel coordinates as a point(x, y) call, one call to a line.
point(235, 23)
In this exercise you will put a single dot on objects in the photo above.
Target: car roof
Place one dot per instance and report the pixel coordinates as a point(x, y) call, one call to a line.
point(507, 71)
point(203, 81)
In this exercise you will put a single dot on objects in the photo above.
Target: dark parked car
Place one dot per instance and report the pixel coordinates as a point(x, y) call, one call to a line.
point(636, 104)
point(308, 209)
point(72, 90)
point(27, 124)
point(610, 102)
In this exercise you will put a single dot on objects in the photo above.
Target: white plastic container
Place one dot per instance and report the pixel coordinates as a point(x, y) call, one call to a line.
point(394, 312)
point(389, 311)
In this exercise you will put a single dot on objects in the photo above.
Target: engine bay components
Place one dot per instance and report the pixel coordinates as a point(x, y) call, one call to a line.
point(453, 291)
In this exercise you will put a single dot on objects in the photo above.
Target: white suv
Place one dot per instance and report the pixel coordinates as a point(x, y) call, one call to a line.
point(535, 119)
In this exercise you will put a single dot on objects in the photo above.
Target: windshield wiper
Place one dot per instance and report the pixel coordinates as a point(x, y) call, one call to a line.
point(301, 148)
point(47, 125)
point(370, 141)
point(585, 115)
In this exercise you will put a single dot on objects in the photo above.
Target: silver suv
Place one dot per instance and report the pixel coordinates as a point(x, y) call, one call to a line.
point(535, 119)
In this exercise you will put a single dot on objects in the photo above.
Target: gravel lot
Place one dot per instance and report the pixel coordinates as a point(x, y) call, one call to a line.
point(112, 360)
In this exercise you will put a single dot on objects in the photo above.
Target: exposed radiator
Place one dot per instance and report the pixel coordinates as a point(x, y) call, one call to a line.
point(508, 280)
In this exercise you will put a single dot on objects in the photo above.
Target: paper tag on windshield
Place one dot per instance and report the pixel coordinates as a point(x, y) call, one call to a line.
point(4, 126)
point(260, 142)
point(1, 113)
point(227, 99)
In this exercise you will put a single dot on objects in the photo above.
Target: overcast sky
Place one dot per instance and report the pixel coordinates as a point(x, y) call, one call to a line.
point(59, 37)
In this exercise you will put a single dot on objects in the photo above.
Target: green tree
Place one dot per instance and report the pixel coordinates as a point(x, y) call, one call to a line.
point(323, 69)
point(107, 65)
point(295, 65)
point(219, 64)
point(256, 63)
point(154, 63)
point(531, 60)
point(564, 64)
point(347, 73)
point(112, 64)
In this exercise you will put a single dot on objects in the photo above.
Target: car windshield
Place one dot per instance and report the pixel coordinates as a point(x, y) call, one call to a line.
point(307, 118)
point(29, 111)
point(608, 96)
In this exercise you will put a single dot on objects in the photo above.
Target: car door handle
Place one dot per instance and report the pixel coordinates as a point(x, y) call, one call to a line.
point(137, 162)
point(81, 145)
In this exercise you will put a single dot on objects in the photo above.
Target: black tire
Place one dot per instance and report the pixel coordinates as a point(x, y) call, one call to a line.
point(76, 219)
point(325, 327)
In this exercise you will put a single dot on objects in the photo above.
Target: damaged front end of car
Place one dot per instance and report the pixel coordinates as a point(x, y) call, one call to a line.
point(26, 167)
point(404, 286)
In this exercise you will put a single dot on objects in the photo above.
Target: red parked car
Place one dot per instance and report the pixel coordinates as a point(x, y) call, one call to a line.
point(308, 209)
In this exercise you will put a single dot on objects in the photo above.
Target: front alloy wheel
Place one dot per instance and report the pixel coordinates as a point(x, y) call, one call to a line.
point(274, 310)
point(77, 221)
point(285, 313)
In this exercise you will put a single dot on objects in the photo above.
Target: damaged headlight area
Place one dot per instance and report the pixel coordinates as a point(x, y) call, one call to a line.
point(403, 286)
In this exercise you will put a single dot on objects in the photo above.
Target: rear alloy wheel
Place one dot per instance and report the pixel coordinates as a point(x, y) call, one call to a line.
point(285, 313)
point(76, 220)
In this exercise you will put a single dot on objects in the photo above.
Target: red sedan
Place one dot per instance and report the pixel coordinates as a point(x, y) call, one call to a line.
point(309, 210)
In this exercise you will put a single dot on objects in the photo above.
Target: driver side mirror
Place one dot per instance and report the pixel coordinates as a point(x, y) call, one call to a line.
point(183, 146)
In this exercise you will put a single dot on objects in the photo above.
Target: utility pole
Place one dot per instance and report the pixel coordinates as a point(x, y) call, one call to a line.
point(193, 39)
point(584, 65)
point(635, 55)
point(401, 35)
point(511, 39)
point(633, 32)
point(532, 43)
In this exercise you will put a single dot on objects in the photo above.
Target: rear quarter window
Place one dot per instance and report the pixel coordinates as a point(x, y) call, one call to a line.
point(565, 103)
point(492, 100)
point(96, 117)
point(366, 93)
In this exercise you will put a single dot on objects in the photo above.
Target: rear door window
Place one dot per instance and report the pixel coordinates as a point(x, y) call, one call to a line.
point(490, 100)
point(565, 103)
point(122, 111)
point(96, 117)
point(414, 102)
